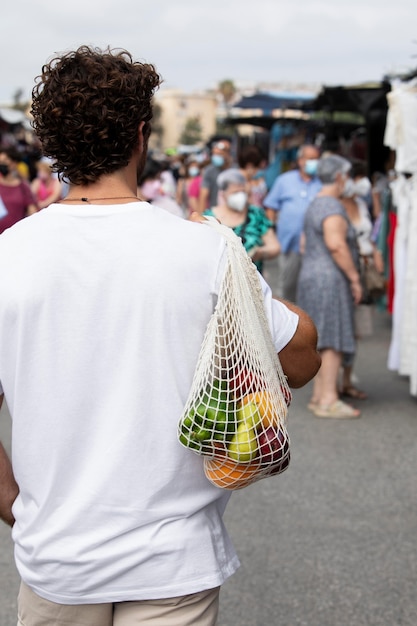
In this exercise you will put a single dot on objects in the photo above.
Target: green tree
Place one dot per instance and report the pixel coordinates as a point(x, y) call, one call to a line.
point(192, 132)
point(227, 90)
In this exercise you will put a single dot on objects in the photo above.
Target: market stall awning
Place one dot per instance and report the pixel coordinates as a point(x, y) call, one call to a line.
point(355, 99)
point(267, 102)
point(265, 110)
point(257, 118)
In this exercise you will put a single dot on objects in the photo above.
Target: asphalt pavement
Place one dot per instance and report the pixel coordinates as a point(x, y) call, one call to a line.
point(333, 540)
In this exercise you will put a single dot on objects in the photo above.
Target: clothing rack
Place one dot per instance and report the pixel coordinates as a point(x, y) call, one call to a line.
point(401, 136)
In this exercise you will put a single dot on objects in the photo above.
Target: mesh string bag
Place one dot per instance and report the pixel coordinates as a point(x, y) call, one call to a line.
point(236, 411)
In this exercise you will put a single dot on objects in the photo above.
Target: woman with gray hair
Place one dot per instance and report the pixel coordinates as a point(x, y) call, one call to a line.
point(249, 222)
point(329, 284)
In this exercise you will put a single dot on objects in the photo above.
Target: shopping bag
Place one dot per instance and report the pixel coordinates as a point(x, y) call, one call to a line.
point(373, 283)
point(235, 415)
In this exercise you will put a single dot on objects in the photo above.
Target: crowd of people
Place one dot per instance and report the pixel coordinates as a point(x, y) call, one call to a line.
point(23, 193)
point(315, 228)
point(327, 227)
point(317, 221)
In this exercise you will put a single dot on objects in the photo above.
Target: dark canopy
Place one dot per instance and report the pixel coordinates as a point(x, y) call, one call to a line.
point(370, 101)
point(356, 99)
point(269, 102)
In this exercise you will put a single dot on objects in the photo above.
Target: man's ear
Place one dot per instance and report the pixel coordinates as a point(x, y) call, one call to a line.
point(142, 138)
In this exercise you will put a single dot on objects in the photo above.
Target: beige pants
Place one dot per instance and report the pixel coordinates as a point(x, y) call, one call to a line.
point(196, 609)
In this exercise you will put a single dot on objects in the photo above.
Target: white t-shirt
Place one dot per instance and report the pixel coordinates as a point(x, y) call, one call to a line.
point(102, 315)
point(363, 228)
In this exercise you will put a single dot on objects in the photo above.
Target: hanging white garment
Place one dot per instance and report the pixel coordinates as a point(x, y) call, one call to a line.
point(402, 355)
point(401, 136)
point(394, 135)
point(363, 228)
point(401, 125)
point(401, 201)
point(408, 351)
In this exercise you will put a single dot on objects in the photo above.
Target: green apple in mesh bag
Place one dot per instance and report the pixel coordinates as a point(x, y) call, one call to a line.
point(243, 446)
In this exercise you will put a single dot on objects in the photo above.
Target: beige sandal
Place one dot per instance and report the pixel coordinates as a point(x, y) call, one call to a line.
point(337, 410)
point(353, 392)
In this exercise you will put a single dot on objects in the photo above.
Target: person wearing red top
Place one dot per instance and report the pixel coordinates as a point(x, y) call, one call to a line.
point(16, 198)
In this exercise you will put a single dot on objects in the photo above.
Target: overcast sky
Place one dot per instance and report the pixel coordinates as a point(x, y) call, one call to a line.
point(197, 43)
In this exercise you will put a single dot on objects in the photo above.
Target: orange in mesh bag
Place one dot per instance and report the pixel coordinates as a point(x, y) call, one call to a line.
point(235, 414)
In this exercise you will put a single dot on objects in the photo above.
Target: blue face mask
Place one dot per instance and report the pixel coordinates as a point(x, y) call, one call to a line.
point(217, 160)
point(310, 167)
point(193, 171)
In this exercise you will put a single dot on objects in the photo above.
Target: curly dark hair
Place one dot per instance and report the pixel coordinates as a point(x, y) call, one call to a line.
point(250, 155)
point(87, 106)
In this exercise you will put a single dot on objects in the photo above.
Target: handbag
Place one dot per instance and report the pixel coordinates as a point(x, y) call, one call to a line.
point(373, 283)
point(235, 414)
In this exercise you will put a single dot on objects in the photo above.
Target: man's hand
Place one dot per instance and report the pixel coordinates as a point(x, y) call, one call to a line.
point(197, 217)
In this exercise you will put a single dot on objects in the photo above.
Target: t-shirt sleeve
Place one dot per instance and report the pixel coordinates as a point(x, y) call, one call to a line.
point(327, 209)
point(272, 199)
point(206, 178)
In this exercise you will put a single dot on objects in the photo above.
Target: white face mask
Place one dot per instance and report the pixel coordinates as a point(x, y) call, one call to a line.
point(237, 201)
point(363, 187)
point(349, 188)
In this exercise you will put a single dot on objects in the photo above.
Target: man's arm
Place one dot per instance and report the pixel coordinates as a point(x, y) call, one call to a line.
point(271, 215)
point(203, 199)
point(334, 234)
point(299, 359)
point(8, 485)
point(272, 201)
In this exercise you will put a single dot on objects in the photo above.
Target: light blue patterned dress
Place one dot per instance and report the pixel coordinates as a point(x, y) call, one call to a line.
point(323, 289)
